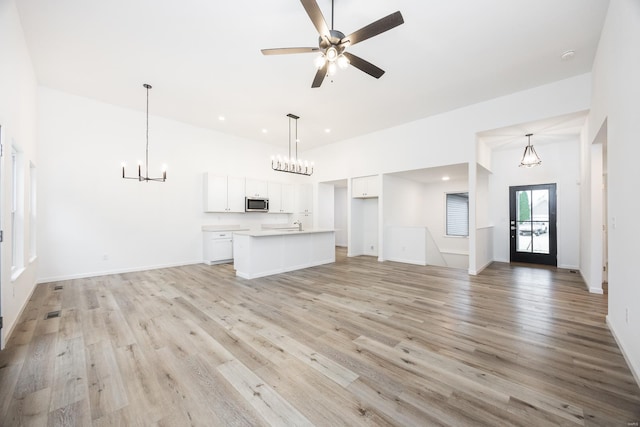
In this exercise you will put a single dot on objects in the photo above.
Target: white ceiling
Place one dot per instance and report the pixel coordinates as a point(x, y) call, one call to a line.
point(546, 131)
point(203, 58)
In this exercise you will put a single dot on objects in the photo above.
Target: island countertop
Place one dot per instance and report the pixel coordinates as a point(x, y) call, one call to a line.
point(267, 252)
point(281, 232)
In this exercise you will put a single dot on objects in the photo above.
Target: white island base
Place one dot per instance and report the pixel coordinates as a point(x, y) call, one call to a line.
point(263, 253)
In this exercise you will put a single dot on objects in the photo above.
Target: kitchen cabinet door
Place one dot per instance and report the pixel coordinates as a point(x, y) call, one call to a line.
point(215, 193)
point(256, 188)
point(287, 198)
point(281, 198)
point(223, 194)
point(235, 194)
point(304, 194)
point(275, 197)
point(365, 186)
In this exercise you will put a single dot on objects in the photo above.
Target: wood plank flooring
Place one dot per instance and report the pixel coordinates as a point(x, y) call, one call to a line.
point(353, 343)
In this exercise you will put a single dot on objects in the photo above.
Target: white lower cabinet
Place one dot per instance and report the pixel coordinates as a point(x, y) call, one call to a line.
point(218, 247)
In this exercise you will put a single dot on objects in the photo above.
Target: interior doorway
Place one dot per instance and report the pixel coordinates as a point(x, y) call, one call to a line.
point(532, 224)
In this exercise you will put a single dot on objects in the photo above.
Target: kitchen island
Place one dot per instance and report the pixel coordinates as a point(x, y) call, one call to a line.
point(267, 252)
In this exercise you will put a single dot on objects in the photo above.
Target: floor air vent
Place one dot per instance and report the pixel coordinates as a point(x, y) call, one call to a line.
point(57, 288)
point(52, 314)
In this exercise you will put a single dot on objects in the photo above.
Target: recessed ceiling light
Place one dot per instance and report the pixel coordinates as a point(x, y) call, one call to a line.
point(221, 118)
point(264, 131)
point(445, 178)
point(568, 55)
point(327, 130)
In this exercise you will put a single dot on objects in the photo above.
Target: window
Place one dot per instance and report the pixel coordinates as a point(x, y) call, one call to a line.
point(458, 214)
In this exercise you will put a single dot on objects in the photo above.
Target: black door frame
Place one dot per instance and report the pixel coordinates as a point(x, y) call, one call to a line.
point(534, 258)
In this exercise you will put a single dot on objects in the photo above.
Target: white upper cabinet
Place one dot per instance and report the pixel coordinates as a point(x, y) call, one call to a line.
point(235, 194)
point(365, 186)
point(288, 198)
point(223, 194)
point(304, 198)
point(280, 197)
point(256, 188)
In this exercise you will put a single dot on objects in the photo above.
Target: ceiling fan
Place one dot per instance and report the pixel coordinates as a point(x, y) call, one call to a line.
point(332, 44)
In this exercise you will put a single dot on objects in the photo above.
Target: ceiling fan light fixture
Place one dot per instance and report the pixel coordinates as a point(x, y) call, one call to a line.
point(332, 43)
point(343, 62)
point(331, 54)
point(530, 158)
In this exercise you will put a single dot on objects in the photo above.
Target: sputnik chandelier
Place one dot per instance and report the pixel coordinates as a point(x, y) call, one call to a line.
point(140, 177)
point(288, 163)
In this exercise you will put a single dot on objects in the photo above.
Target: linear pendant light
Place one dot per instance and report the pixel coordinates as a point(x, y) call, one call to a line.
point(292, 164)
point(146, 161)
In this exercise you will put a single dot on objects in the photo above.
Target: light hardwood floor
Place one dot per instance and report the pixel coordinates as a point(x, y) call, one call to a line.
point(353, 343)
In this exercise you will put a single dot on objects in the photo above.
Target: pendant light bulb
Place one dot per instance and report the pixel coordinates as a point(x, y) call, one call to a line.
point(343, 62)
point(319, 61)
point(332, 68)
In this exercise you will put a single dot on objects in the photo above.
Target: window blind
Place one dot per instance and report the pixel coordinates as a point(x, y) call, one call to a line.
point(458, 214)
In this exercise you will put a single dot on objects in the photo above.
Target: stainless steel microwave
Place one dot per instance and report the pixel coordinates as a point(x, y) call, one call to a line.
point(254, 204)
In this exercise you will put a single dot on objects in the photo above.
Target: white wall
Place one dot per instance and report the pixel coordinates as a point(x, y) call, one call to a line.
point(448, 138)
point(616, 99)
point(434, 196)
point(364, 227)
point(18, 128)
point(482, 237)
point(94, 222)
point(324, 211)
point(404, 202)
point(560, 165)
point(340, 216)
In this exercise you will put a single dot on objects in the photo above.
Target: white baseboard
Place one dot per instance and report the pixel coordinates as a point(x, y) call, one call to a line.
point(407, 261)
point(479, 270)
point(119, 271)
point(635, 370)
point(596, 291)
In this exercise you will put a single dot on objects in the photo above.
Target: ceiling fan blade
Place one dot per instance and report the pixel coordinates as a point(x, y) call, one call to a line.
point(373, 29)
point(314, 12)
point(363, 65)
point(322, 72)
point(289, 50)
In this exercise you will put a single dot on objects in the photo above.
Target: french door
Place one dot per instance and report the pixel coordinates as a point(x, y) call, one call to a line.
point(533, 224)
